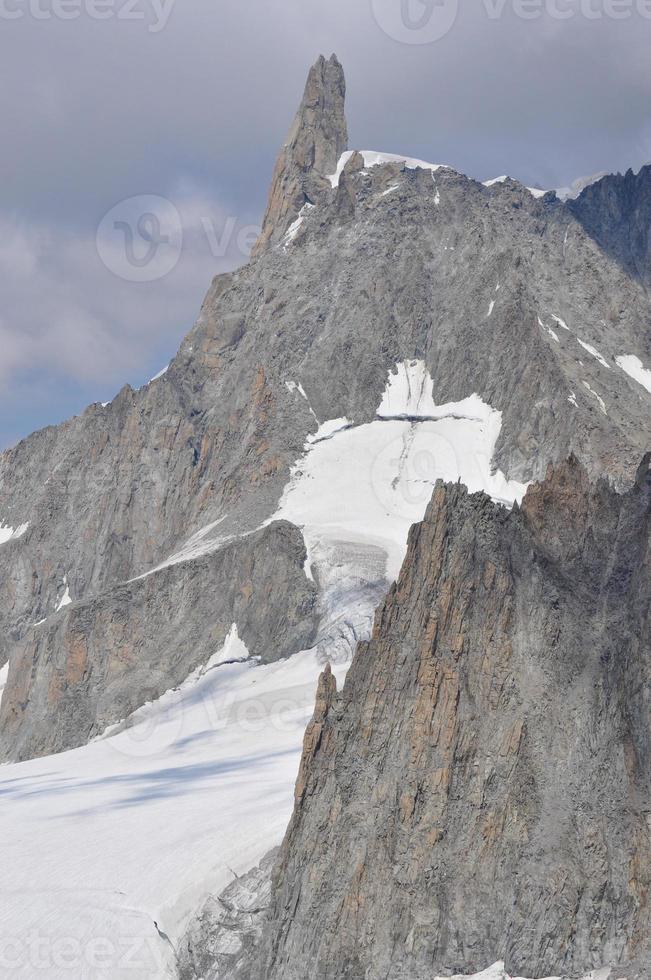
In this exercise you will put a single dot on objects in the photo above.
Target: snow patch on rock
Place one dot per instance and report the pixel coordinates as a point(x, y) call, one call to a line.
point(602, 403)
point(635, 369)
point(534, 191)
point(65, 599)
point(561, 322)
point(295, 226)
point(8, 533)
point(595, 353)
point(160, 374)
point(374, 159)
point(4, 673)
point(498, 972)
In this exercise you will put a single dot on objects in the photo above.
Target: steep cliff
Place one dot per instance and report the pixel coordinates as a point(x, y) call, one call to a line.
point(481, 788)
point(616, 211)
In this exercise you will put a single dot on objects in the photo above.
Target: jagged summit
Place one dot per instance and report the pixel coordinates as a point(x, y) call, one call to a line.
point(316, 140)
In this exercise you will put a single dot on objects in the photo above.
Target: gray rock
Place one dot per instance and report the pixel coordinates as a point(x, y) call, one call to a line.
point(481, 788)
point(316, 140)
point(616, 211)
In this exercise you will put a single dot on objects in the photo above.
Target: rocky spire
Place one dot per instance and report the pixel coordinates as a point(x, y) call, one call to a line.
point(316, 140)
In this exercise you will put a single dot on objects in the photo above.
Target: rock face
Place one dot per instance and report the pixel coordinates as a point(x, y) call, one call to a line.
point(316, 140)
point(376, 273)
point(222, 939)
point(96, 661)
point(616, 211)
point(481, 788)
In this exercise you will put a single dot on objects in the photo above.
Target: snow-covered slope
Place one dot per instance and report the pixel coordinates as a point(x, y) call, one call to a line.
point(109, 848)
point(368, 484)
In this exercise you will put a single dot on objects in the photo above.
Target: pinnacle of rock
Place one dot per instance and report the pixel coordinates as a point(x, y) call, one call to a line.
point(316, 140)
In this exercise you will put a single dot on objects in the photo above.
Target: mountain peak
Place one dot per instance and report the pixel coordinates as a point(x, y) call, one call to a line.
point(317, 138)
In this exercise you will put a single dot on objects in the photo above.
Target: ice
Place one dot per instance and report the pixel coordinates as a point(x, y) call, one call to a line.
point(635, 369)
point(374, 159)
point(595, 353)
point(409, 392)
point(138, 827)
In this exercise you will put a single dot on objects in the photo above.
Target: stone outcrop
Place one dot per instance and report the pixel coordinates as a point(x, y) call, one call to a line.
point(316, 140)
point(481, 788)
point(616, 211)
point(96, 661)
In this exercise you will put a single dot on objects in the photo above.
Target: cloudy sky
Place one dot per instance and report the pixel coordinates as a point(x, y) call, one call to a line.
point(106, 101)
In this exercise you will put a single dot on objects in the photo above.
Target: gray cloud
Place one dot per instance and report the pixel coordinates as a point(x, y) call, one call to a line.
point(100, 111)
